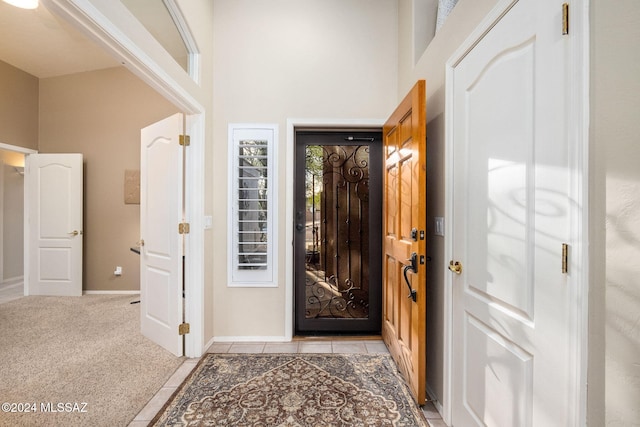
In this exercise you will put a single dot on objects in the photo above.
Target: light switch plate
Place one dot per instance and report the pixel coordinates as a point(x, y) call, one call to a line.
point(439, 226)
point(208, 222)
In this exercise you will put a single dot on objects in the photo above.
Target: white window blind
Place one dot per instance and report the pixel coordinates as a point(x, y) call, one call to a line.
point(253, 207)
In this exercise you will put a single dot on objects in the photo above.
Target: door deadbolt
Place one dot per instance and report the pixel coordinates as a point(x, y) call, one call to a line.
point(456, 266)
point(414, 234)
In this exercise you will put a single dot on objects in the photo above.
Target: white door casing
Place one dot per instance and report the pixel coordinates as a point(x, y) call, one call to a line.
point(513, 325)
point(161, 211)
point(54, 184)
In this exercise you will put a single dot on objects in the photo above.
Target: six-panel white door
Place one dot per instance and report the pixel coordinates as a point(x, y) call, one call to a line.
point(512, 344)
point(161, 211)
point(54, 206)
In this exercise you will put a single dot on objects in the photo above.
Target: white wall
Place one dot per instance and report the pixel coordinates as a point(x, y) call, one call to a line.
point(614, 357)
point(334, 59)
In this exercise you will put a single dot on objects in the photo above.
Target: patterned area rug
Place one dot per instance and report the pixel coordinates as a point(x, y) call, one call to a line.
point(292, 390)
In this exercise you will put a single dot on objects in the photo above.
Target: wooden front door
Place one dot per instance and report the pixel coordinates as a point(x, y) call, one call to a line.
point(404, 225)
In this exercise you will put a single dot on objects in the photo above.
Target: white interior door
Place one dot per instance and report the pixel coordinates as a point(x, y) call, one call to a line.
point(512, 341)
point(161, 211)
point(54, 204)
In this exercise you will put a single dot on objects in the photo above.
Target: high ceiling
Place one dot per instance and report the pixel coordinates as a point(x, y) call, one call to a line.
point(43, 45)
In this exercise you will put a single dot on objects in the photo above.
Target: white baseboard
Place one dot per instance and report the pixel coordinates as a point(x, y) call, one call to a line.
point(208, 344)
point(251, 339)
point(434, 400)
point(12, 281)
point(110, 292)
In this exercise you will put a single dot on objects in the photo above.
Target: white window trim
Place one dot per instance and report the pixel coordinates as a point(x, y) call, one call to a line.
point(253, 278)
point(193, 65)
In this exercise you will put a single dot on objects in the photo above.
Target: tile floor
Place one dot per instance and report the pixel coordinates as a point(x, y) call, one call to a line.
point(297, 346)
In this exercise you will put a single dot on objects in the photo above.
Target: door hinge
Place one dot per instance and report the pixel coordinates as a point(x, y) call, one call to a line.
point(565, 19)
point(183, 329)
point(565, 258)
point(185, 140)
point(183, 228)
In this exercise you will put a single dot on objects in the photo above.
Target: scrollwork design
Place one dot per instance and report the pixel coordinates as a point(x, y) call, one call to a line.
point(327, 300)
point(335, 277)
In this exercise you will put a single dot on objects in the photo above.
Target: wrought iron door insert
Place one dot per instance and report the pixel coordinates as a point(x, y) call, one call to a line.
point(338, 232)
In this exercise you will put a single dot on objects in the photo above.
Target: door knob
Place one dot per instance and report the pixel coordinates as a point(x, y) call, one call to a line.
point(299, 227)
point(456, 267)
point(75, 232)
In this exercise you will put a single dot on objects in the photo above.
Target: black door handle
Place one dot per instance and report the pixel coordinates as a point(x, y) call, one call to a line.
point(299, 227)
point(413, 266)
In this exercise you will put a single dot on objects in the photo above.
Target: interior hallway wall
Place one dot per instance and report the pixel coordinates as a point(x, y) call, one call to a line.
point(614, 320)
point(18, 127)
point(100, 114)
point(18, 107)
point(317, 59)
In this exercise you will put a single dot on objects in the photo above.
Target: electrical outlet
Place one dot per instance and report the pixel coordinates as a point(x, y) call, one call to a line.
point(118, 271)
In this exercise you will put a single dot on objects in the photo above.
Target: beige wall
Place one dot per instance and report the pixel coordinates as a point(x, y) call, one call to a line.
point(18, 127)
point(18, 107)
point(100, 114)
point(333, 59)
point(431, 66)
point(614, 357)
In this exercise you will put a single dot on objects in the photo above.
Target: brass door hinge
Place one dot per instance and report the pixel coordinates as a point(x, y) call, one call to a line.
point(185, 140)
point(183, 228)
point(565, 258)
point(565, 19)
point(183, 329)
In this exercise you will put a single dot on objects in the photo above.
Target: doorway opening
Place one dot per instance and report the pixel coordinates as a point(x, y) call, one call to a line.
point(12, 208)
point(11, 223)
point(337, 236)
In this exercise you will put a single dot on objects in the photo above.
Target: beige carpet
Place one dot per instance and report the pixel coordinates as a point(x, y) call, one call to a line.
point(83, 357)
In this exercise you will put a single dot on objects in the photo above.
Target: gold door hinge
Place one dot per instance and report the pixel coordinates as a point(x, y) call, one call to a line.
point(565, 19)
point(185, 140)
point(183, 329)
point(565, 258)
point(183, 228)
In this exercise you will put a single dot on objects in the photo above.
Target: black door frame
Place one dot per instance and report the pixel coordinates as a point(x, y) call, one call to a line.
point(330, 137)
